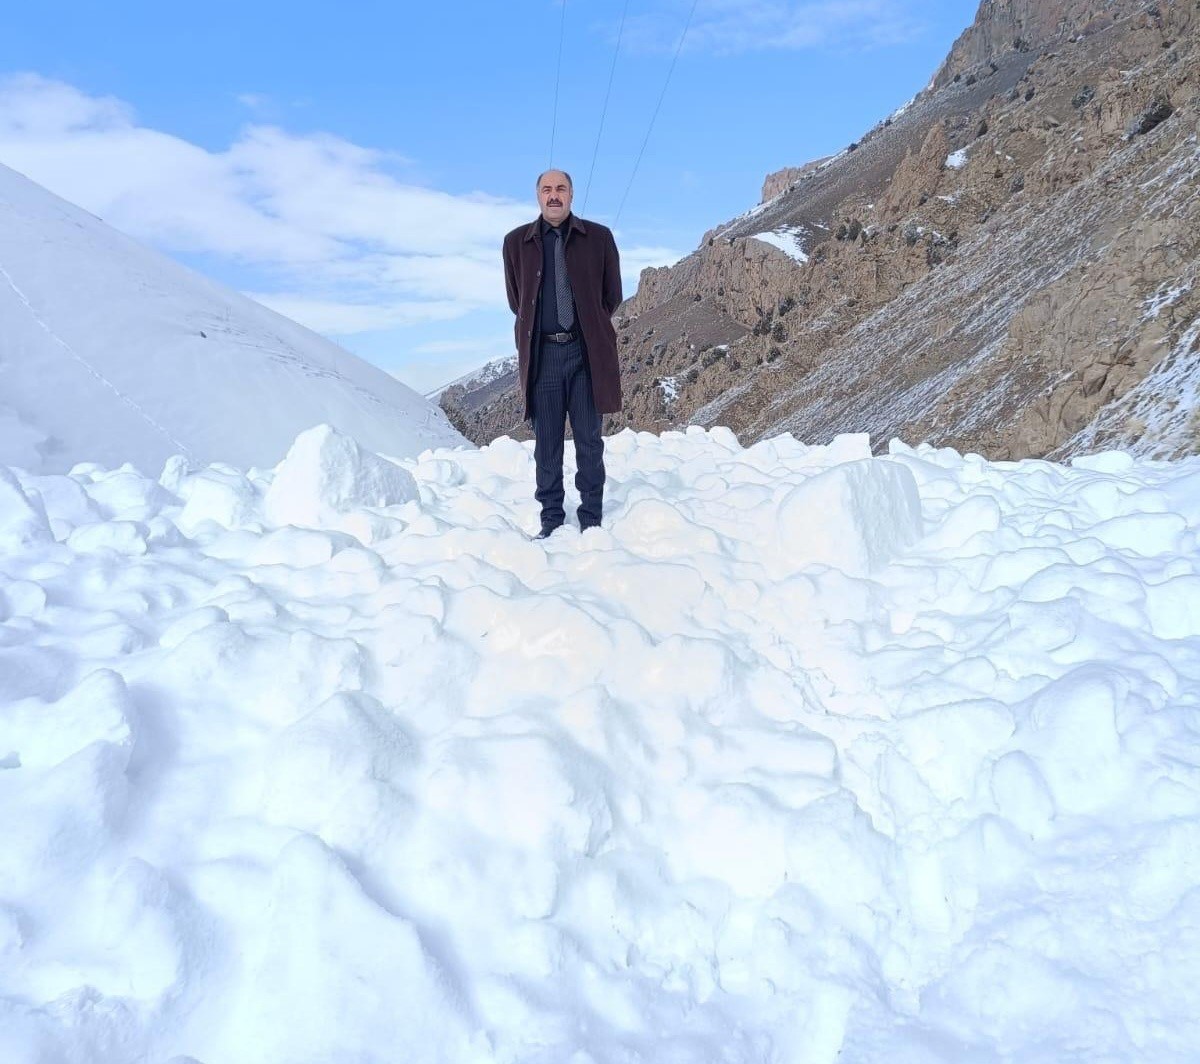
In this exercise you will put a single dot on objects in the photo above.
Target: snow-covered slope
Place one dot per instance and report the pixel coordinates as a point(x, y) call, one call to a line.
point(110, 353)
point(806, 756)
point(481, 377)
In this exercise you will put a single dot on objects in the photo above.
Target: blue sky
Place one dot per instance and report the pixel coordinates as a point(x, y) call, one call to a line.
point(355, 166)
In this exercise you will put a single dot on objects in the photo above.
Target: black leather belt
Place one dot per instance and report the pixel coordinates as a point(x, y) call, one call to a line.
point(560, 338)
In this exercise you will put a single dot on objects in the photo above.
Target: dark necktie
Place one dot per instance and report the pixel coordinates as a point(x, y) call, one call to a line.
point(562, 287)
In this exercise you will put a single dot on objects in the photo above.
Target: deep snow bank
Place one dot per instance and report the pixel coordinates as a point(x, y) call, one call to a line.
point(112, 353)
point(805, 756)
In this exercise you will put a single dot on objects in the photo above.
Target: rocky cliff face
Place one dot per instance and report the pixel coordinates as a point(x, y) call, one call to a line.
point(1006, 265)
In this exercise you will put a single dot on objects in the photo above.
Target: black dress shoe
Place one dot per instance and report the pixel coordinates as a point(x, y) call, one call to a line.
point(547, 531)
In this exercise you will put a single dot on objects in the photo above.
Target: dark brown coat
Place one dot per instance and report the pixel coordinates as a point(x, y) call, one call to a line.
point(594, 270)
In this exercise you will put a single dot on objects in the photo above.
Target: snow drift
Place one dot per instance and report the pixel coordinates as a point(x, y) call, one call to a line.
point(365, 775)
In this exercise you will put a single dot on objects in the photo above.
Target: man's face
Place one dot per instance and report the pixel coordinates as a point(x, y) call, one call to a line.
point(554, 196)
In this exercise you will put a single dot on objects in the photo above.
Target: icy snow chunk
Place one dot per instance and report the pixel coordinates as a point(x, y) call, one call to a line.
point(846, 447)
point(518, 790)
point(23, 598)
point(120, 537)
point(66, 815)
point(127, 495)
point(23, 520)
point(1173, 607)
point(975, 515)
point(326, 474)
point(66, 503)
point(855, 517)
point(177, 632)
point(1075, 741)
point(1144, 534)
point(956, 160)
point(330, 772)
point(1021, 794)
point(507, 458)
point(99, 709)
point(443, 472)
point(654, 528)
point(949, 744)
point(222, 495)
point(1182, 496)
point(1117, 463)
point(332, 975)
point(297, 547)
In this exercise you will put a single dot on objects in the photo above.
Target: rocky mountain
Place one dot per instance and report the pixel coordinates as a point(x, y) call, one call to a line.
point(476, 390)
point(1007, 264)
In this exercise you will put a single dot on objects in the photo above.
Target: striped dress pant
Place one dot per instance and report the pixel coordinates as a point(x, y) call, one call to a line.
point(563, 389)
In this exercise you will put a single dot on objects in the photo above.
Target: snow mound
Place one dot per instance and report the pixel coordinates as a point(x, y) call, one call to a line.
point(326, 474)
point(113, 353)
point(803, 756)
point(854, 517)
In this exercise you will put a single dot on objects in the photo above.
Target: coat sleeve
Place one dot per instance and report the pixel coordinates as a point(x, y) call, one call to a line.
point(510, 278)
point(612, 277)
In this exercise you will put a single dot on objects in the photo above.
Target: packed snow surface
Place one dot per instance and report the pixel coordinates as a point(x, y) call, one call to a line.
point(805, 756)
point(112, 353)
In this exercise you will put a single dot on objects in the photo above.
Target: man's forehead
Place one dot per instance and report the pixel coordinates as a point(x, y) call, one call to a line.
point(549, 182)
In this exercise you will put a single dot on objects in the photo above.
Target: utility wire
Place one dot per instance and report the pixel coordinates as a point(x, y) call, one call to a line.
point(670, 71)
point(604, 110)
point(562, 26)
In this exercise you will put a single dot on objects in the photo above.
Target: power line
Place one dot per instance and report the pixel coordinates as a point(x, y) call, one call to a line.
point(678, 48)
point(604, 110)
point(562, 25)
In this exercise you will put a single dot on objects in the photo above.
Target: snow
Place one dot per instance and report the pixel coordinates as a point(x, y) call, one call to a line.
point(485, 374)
point(1160, 410)
point(956, 160)
point(806, 755)
point(906, 105)
point(112, 353)
point(789, 240)
point(1167, 296)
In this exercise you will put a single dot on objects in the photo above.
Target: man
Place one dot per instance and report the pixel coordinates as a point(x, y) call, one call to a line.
point(564, 284)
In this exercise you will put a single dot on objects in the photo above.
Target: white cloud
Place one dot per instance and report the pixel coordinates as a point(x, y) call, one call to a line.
point(636, 259)
point(254, 101)
point(343, 243)
point(462, 347)
point(726, 27)
point(336, 318)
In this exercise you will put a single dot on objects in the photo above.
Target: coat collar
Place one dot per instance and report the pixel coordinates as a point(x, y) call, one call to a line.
point(574, 225)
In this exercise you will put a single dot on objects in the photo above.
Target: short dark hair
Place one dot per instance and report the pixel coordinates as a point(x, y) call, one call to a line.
point(554, 170)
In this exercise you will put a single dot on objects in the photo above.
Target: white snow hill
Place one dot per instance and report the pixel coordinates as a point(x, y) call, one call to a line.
point(112, 353)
